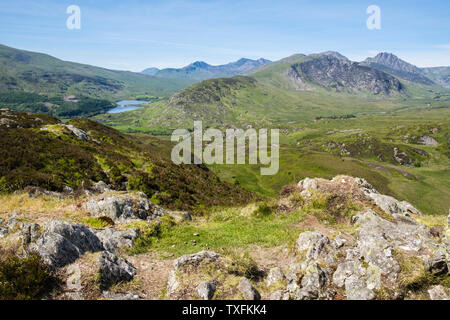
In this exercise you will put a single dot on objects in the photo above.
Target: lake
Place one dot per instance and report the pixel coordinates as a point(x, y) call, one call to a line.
point(127, 105)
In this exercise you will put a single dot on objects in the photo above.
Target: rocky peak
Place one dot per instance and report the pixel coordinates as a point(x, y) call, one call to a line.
point(390, 63)
point(342, 75)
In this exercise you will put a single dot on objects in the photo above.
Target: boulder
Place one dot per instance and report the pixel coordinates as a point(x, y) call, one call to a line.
point(190, 261)
point(80, 134)
point(247, 290)
point(353, 277)
point(306, 186)
point(195, 258)
point(312, 283)
point(427, 140)
point(63, 242)
point(438, 293)
point(205, 290)
point(312, 242)
point(122, 208)
point(437, 264)
point(113, 269)
point(114, 239)
point(275, 276)
point(29, 232)
point(100, 187)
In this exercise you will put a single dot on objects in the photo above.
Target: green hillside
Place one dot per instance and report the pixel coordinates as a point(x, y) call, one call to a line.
point(45, 75)
point(45, 153)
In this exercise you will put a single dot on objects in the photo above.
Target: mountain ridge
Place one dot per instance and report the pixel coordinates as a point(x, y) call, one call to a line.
point(200, 70)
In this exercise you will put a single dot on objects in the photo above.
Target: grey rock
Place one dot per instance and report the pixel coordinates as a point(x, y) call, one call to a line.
point(306, 186)
point(114, 239)
point(247, 290)
point(354, 277)
point(437, 264)
point(113, 269)
point(67, 189)
point(205, 290)
point(124, 208)
point(80, 134)
point(427, 140)
point(64, 242)
point(312, 283)
point(100, 187)
point(339, 242)
point(438, 293)
point(188, 260)
point(195, 259)
point(275, 275)
point(3, 232)
point(313, 242)
point(81, 236)
point(55, 250)
point(276, 295)
point(121, 296)
point(29, 232)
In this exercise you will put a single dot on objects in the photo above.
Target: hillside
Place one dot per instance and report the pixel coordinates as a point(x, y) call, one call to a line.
point(40, 73)
point(45, 153)
point(200, 70)
point(440, 75)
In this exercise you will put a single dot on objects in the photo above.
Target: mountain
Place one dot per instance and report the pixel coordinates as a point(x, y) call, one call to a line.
point(200, 70)
point(342, 75)
point(150, 71)
point(440, 75)
point(43, 74)
point(391, 64)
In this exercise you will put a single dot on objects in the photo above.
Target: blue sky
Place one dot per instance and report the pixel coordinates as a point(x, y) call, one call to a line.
point(133, 34)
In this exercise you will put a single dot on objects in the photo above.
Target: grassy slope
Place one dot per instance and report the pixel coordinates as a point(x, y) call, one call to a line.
point(41, 73)
point(53, 158)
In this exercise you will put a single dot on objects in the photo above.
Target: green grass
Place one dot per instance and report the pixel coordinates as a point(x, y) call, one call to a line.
point(224, 229)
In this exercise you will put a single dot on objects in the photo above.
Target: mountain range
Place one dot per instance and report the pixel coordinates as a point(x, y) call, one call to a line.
point(200, 70)
point(245, 89)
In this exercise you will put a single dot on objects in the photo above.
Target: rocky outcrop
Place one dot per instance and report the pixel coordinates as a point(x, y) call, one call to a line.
point(247, 290)
point(312, 242)
point(114, 239)
point(113, 270)
point(341, 75)
point(80, 134)
point(427, 140)
point(64, 242)
point(124, 207)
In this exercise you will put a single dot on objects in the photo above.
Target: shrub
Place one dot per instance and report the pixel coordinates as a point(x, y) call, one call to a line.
point(24, 278)
point(243, 265)
point(263, 210)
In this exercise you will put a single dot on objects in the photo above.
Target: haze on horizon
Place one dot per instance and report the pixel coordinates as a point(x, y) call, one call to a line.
point(134, 35)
